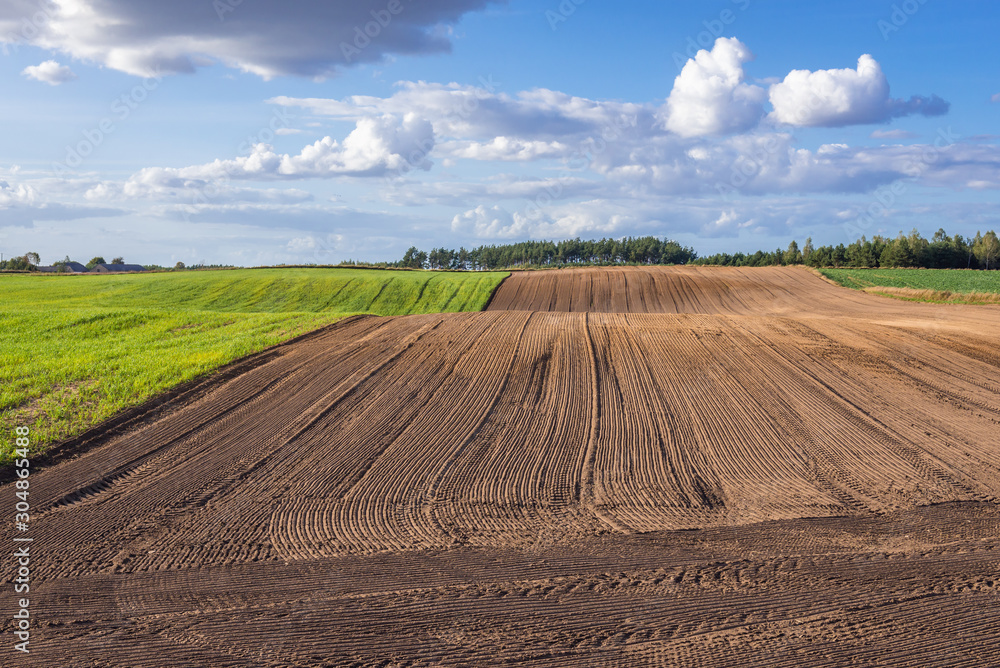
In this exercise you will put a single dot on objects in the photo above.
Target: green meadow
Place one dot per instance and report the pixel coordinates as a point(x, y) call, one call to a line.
point(75, 350)
point(949, 280)
point(932, 285)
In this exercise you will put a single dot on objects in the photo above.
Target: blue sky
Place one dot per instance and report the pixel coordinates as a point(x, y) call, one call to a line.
point(255, 133)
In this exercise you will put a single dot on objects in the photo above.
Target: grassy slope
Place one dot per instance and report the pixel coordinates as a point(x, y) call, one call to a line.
point(936, 285)
point(74, 350)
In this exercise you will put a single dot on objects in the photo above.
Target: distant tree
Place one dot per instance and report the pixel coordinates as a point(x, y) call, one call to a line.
point(863, 253)
point(414, 258)
point(409, 257)
point(838, 257)
point(24, 262)
point(179, 266)
point(970, 249)
point(793, 255)
point(897, 253)
point(118, 260)
point(821, 257)
point(919, 249)
point(95, 261)
point(943, 252)
point(807, 250)
point(441, 258)
point(987, 249)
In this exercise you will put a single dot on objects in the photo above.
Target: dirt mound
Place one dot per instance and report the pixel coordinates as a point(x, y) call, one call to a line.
point(778, 291)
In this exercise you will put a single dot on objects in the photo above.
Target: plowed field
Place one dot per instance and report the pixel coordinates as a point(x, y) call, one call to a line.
point(628, 467)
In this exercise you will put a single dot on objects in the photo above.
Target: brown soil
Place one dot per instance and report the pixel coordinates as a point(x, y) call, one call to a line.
point(663, 467)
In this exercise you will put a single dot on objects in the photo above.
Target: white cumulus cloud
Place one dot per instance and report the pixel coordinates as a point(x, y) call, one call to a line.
point(49, 72)
point(20, 194)
point(555, 222)
point(710, 96)
point(727, 224)
point(506, 149)
point(839, 97)
point(490, 223)
point(376, 147)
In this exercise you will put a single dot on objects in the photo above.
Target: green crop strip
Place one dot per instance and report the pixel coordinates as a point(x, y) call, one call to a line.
point(950, 284)
point(75, 350)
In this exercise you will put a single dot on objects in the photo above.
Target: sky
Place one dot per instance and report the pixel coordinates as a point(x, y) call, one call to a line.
point(251, 133)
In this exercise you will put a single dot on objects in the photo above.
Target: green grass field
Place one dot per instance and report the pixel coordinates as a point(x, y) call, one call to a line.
point(75, 350)
point(945, 285)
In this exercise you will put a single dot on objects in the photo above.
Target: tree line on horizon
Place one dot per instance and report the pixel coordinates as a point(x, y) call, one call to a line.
point(913, 250)
point(628, 250)
point(905, 251)
point(30, 261)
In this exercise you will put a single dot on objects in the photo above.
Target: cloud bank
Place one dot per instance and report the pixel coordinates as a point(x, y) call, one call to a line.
point(376, 146)
point(709, 158)
point(312, 38)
